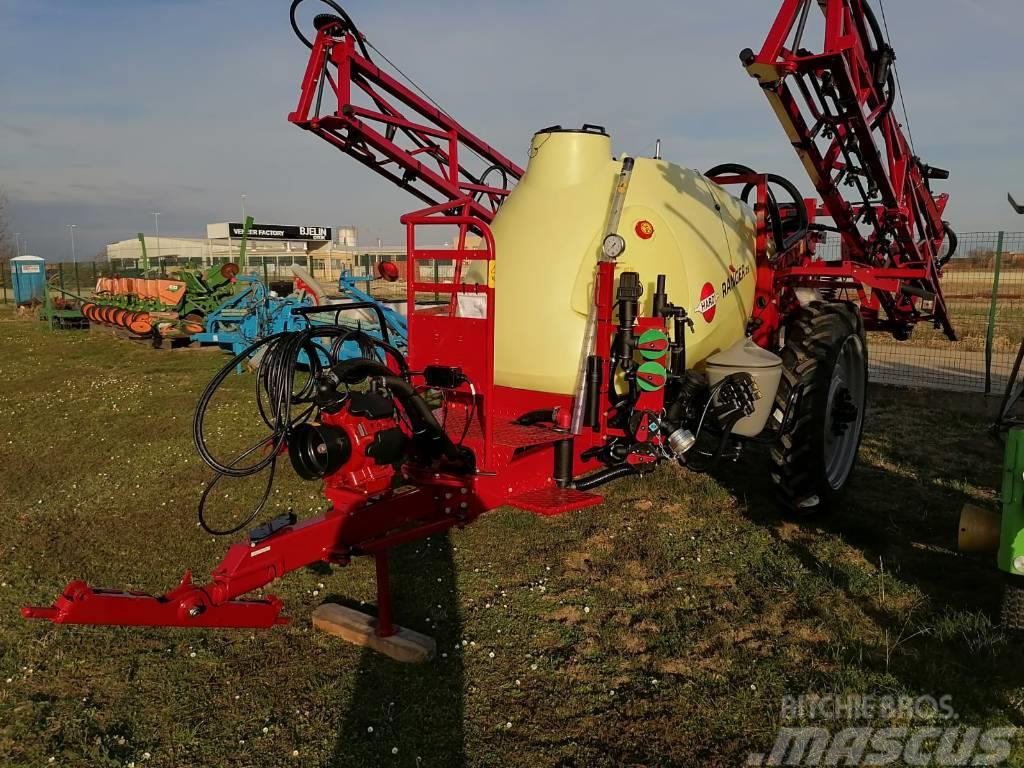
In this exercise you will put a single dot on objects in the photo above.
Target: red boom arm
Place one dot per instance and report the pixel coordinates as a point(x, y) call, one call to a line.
point(399, 134)
point(836, 108)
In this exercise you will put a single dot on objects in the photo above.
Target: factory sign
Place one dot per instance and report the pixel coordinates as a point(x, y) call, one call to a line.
point(260, 231)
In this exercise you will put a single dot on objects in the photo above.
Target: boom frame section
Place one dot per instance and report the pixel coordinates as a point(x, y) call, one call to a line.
point(837, 110)
point(431, 161)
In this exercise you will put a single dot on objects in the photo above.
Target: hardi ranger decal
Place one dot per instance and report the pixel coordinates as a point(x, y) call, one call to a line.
point(709, 296)
point(708, 302)
point(734, 279)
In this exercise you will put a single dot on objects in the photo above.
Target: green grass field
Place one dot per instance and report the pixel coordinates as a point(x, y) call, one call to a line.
point(660, 629)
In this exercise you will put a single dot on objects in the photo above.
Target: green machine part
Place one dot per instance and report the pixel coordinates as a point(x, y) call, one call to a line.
point(1011, 533)
point(246, 226)
point(145, 256)
point(651, 376)
point(207, 290)
point(213, 278)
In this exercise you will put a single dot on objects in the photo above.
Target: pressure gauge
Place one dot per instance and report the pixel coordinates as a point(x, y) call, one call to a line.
point(613, 246)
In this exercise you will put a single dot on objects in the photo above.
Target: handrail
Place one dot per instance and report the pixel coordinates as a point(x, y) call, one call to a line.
point(471, 356)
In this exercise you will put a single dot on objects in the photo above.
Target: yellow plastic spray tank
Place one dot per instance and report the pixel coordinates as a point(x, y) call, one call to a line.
point(548, 237)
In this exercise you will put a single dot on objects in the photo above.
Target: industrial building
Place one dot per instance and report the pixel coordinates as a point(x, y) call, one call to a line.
point(270, 249)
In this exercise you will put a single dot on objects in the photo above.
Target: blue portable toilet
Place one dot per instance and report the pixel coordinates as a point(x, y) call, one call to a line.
point(29, 278)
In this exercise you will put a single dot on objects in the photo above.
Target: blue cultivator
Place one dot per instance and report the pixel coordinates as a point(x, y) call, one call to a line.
point(255, 313)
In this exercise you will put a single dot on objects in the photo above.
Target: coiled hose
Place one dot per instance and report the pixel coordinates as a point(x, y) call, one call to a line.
point(782, 242)
point(276, 398)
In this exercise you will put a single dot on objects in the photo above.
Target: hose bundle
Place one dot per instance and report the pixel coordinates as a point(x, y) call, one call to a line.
point(316, 350)
point(783, 242)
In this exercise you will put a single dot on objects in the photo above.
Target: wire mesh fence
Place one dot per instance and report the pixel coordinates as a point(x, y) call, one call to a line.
point(983, 287)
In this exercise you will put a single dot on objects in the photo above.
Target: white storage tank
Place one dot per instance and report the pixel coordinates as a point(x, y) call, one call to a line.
point(346, 236)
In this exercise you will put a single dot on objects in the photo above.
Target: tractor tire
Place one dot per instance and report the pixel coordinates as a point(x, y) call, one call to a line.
point(1012, 608)
point(824, 358)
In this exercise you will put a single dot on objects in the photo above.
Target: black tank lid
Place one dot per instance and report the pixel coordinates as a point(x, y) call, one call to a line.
point(587, 128)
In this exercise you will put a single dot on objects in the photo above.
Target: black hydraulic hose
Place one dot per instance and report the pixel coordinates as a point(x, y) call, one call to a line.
point(782, 243)
point(801, 210)
point(416, 408)
point(880, 44)
point(248, 519)
point(276, 438)
point(479, 194)
point(715, 457)
point(603, 476)
point(890, 98)
point(276, 399)
point(272, 443)
point(540, 416)
point(876, 28)
point(349, 24)
point(774, 217)
point(953, 244)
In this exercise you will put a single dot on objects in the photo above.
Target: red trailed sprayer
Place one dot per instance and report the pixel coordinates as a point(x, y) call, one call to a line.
point(603, 315)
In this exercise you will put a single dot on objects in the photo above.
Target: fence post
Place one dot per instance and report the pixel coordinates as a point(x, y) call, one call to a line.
point(990, 335)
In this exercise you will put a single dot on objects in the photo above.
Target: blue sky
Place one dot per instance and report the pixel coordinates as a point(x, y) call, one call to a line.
point(111, 109)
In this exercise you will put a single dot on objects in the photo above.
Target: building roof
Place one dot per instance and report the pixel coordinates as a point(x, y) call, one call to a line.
point(28, 258)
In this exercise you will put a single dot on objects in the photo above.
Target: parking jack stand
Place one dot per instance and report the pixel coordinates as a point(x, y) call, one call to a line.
point(379, 633)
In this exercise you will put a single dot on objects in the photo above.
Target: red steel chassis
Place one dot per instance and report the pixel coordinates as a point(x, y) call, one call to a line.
point(514, 466)
point(890, 250)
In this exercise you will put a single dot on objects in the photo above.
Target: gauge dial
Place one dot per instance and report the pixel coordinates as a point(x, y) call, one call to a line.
point(613, 246)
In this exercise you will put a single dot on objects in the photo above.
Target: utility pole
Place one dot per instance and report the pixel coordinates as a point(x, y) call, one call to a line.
point(241, 253)
point(156, 222)
point(72, 228)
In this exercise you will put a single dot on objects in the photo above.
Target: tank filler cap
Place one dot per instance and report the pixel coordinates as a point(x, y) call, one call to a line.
point(586, 128)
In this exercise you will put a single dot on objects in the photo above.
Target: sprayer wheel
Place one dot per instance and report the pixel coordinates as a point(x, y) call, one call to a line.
point(824, 358)
point(1012, 608)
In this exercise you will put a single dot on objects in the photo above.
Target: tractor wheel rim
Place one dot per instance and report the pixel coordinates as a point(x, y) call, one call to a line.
point(844, 416)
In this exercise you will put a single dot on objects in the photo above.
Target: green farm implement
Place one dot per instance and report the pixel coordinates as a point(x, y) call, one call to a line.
point(161, 308)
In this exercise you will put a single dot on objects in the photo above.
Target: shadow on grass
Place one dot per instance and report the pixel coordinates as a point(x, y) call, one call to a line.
point(900, 513)
point(414, 708)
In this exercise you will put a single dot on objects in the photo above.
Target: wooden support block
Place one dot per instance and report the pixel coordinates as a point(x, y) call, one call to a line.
point(360, 628)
